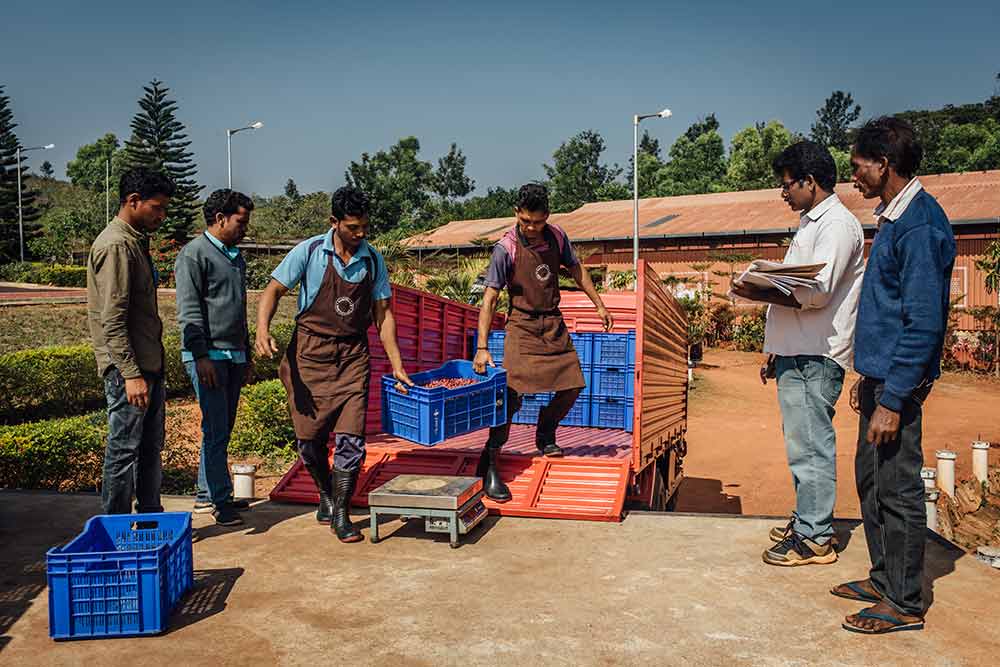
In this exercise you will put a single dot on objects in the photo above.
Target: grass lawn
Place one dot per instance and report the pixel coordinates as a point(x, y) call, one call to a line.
point(25, 327)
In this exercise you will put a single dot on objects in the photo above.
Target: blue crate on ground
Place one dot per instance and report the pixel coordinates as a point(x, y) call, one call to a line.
point(614, 349)
point(532, 404)
point(611, 412)
point(429, 416)
point(120, 577)
point(613, 382)
point(584, 344)
point(494, 344)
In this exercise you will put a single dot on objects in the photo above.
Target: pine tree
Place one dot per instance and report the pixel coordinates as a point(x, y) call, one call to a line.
point(47, 169)
point(9, 233)
point(159, 141)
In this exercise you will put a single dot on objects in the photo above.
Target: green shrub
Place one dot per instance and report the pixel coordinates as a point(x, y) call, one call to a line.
point(60, 275)
point(60, 454)
point(259, 269)
point(748, 332)
point(62, 380)
point(263, 423)
point(49, 381)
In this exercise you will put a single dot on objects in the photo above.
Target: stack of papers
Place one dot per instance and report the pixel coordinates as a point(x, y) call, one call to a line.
point(782, 277)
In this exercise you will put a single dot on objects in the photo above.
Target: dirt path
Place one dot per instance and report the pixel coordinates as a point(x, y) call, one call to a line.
point(736, 456)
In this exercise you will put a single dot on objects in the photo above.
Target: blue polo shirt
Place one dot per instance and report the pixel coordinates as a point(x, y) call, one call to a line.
point(299, 264)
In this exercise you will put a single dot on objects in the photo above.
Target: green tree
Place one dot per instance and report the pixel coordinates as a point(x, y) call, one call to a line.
point(989, 264)
point(292, 191)
point(47, 169)
point(89, 167)
point(496, 203)
point(577, 174)
point(159, 141)
point(450, 181)
point(751, 153)
point(68, 230)
point(970, 146)
point(648, 146)
point(398, 183)
point(695, 167)
point(930, 125)
point(707, 124)
point(9, 232)
point(834, 119)
point(843, 162)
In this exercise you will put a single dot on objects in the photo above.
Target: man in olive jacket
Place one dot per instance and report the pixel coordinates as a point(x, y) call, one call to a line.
point(127, 334)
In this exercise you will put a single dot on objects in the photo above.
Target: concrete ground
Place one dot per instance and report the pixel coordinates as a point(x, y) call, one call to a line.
point(655, 589)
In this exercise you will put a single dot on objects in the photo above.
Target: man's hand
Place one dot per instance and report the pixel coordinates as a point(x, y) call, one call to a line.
point(606, 318)
point(883, 427)
point(855, 395)
point(483, 357)
point(746, 291)
point(265, 345)
point(206, 373)
point(767, 369)
point(403, 380)
point(137, 392)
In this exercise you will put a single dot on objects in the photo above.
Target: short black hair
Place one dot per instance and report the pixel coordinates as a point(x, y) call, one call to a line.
point(349, 202)
point(227, 202)
point(533, 197)
point(807, 158)
point(893, 139)
point(146, 183)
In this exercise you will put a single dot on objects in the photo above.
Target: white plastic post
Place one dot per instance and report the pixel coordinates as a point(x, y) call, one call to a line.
point(980, 460)
point(244, 475)
point(930, 503)
point(929, 475)
point(946, 471)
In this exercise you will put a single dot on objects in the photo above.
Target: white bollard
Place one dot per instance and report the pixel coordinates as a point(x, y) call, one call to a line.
point(930, 504)
point(929, 475)
point(946, 471)
point(980, 460)
point(244, 475)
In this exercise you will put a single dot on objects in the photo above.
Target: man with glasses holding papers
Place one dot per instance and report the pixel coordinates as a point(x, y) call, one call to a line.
point(809, 340)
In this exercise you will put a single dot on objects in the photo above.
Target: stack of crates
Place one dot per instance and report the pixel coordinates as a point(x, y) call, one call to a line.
point(608, 364)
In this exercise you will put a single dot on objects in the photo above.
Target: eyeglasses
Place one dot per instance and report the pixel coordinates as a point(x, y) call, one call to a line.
point(786, 186)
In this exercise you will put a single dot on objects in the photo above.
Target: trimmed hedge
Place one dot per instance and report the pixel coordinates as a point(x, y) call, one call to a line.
point(263, 423)
point(62, 380)
point(60, 454)
point(60, 275)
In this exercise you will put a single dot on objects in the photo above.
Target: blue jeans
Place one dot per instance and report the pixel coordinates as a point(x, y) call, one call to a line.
point(218, 415)
point(132, 459)
point(808, 389)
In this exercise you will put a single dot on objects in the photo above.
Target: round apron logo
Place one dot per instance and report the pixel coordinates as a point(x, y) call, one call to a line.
point(543, 273)
point(344, 306)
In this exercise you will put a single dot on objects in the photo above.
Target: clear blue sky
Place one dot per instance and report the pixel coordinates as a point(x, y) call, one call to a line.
point(507, 81)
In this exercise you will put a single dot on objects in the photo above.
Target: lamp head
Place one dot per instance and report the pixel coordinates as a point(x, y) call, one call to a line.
point(256, 125)
point(666, 113)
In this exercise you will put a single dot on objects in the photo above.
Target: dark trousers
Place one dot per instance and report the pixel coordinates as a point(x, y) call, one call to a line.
point(348, 454)
point(892, 502)
point(132, 459)
point(218, 416)
point(548, 418)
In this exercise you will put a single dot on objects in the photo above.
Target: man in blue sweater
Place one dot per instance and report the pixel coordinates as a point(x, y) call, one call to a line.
point(902, 317)
point(215, 342)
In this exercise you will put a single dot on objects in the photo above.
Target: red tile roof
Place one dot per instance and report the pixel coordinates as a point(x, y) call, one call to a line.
point(964, 197)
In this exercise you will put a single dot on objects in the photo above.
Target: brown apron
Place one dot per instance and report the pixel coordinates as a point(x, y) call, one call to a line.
point(538, 352)
point(326, 367)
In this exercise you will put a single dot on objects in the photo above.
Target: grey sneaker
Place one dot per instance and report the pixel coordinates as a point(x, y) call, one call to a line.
point(203, 506)
point(227, 516)
point(778, 533)
point(797, 550)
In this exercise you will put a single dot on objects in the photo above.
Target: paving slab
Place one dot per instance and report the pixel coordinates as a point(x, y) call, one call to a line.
point(657, 589)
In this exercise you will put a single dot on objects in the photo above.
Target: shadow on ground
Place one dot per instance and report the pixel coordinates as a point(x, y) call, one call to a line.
point(706, 496)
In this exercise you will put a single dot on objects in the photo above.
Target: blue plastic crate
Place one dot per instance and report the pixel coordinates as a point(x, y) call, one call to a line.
point(612, 382)
point(611, 412)
point(615, 350)
point(120, 577)
point(532, 404)
point(429, 416)
point(584, 344)
point(494, 343)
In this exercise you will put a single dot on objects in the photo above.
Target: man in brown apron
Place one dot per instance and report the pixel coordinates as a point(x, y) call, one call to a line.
point(538, 352)
point(343, 282)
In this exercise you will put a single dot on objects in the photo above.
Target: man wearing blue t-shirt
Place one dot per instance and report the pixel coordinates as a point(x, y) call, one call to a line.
point(343, 285)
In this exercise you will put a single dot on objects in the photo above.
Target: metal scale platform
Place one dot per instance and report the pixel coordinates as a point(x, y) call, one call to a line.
point(448, 504)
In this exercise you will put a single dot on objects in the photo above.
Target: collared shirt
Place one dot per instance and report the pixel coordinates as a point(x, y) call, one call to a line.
point(299, 264)
point(122, 314)
point(899, 203)
point(824, 326)
point(235, 356)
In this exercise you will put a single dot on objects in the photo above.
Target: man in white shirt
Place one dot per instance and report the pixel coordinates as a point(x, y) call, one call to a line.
point(809, 338)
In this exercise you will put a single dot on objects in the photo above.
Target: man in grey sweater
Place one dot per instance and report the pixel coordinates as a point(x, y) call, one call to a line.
point(212, 314)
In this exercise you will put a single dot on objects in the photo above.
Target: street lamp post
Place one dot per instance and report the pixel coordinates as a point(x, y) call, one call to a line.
point(229, 146)
point(666, 113)
point(20, 213)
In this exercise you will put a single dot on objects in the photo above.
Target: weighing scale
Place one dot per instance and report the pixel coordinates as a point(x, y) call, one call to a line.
point(448, 504)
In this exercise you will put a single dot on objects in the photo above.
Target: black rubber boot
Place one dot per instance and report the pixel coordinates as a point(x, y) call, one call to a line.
point(493, 485)
point(343, 489)
point(318, 467)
